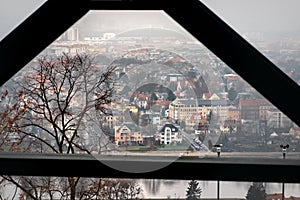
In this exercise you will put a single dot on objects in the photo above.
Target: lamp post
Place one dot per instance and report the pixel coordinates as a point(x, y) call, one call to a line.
point(218, 149)
point(284, 151)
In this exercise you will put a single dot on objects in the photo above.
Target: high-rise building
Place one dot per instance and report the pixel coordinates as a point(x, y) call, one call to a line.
point(72, 34)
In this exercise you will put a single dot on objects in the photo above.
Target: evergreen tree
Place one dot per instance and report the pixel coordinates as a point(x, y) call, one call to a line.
point(257, 191)
point(193, 191)
point(232, 94)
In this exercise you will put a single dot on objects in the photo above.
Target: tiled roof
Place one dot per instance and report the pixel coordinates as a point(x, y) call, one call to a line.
point(254, 102)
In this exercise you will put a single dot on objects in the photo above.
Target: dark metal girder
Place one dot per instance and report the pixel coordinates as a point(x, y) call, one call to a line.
point(56, 16)
point(33, 35)
point(188, 168)
point(239, 55)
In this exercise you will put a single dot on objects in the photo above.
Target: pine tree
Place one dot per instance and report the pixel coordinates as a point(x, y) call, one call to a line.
point(193, 191)
point(232, 94)
point(256, 191)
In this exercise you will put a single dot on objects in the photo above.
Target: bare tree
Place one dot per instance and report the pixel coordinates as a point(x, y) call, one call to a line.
point(110, 189)
point(11, 111)
point(59, 103)
point(63, 93)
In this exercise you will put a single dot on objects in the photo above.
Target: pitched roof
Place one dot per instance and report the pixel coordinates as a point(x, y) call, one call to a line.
point(131, 126)
point(254, 102)
point(171, 126)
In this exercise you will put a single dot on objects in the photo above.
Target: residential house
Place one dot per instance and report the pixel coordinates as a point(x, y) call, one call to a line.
point(295, 131)
point(276, 119)
point(128, 134)
point(170, 134)
point(253, 109)
point(192, 111)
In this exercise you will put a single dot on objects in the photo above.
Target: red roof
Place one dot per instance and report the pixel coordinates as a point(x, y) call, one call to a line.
point(274, 196)
point(292, 198)
point(279, 195)
point(253, 102)
point(296, 128)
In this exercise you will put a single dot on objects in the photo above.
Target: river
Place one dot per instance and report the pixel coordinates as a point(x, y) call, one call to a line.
point(153, 188)
point(177, 189)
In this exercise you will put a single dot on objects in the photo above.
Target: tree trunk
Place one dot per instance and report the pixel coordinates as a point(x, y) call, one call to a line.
point(72, 187)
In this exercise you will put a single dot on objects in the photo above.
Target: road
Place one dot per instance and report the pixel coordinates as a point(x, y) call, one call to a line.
point(196, 144)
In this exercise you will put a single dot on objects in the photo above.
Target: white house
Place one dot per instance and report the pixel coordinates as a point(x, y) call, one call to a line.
point(170, 134)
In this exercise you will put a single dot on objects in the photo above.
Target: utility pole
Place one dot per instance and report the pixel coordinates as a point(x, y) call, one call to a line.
point(284, 151)
point(218, 149)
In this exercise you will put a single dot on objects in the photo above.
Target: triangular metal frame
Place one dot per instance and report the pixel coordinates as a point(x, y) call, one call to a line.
point(56, 16)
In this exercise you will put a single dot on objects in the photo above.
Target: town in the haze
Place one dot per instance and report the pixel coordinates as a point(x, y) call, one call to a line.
point(172, 93)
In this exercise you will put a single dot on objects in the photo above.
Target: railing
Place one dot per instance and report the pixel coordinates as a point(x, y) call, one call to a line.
point(249, 63)
point(238, 168)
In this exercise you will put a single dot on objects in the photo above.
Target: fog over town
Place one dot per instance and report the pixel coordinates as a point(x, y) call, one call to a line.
point(170, 95)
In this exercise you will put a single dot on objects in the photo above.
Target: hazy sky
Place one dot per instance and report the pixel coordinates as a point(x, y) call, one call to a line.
point(13, 12)
point(258, 15)
point(243, 15)
point(117, 22)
